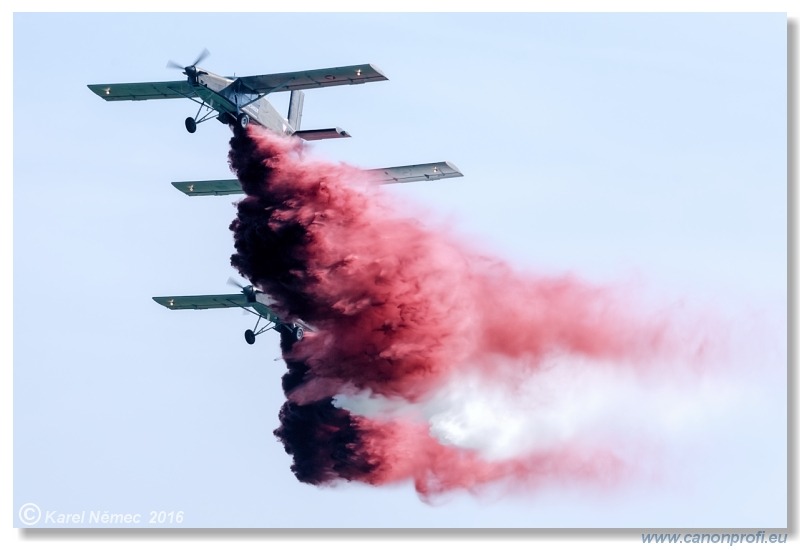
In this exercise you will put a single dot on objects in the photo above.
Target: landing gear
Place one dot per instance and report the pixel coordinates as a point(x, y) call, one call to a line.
point(191, 125)
point(243, 120)
point(192, 122)
point(227, 118)
point(250, 334)
point(291, 330)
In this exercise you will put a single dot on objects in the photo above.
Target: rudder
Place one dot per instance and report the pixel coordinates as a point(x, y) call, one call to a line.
point(295, 109)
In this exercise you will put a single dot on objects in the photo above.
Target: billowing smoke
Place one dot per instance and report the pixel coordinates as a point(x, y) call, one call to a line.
point(430, 361)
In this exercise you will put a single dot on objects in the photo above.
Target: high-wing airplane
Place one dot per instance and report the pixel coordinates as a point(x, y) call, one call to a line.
point(251, 300)
point(241, 100)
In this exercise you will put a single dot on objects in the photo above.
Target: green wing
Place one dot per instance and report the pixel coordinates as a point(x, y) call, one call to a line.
point(209, 301)
point(140, 91)
point(395, 174)
point(315, 78)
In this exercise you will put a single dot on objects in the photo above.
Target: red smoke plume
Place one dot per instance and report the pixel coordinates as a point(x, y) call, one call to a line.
point(399, 310)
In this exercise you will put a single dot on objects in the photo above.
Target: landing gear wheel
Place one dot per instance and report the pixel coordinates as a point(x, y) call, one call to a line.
point(243, 120)
point(250, 337)
point(298, 333)
point(191, 125)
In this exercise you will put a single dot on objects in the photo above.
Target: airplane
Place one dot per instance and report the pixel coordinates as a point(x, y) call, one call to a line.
point(242, 100)
point(250, 300)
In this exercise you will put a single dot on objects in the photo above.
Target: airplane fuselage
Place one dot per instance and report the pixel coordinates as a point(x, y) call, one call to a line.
point(229, 98)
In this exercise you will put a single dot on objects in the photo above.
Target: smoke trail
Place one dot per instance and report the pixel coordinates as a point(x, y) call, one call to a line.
point(402, 312)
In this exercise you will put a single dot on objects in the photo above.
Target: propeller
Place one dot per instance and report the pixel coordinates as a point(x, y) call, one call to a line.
point(248, 290)
point(189, 70)
point(236, 283)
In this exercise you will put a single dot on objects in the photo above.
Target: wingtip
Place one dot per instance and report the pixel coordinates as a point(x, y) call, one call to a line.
point(379, 71)
point(453, 167)
point(161, 300)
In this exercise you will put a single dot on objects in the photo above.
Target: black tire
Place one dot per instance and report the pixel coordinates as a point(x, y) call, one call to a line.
point(191, 125)
point(250, 337)
point(243, 120)
point(298, 333)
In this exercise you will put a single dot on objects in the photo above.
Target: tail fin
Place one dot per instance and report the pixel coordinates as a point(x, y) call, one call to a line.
point(295, 109)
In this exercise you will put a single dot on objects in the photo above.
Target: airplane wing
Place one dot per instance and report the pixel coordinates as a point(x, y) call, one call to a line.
point(415, 172)
point(139, 91)
point(216, 301)
point(210, 301)
point(317, 78)
point(395, 174)
point(209, 187)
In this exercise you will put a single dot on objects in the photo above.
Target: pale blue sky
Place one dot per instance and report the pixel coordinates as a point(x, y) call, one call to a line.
point(615, 147)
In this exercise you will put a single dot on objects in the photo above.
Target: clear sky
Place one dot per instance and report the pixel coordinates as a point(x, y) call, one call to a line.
point(614, 147)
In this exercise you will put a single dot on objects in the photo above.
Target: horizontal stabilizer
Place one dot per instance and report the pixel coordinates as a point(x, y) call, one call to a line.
point(394, 174)
point(327, 133)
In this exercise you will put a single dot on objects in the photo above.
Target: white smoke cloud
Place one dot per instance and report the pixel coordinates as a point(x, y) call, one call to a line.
point(563, 401)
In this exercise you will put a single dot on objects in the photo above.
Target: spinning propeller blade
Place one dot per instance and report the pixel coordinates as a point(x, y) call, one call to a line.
point(189, 68)
point(205, 53)
point(234, 282)
point(248, 290)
